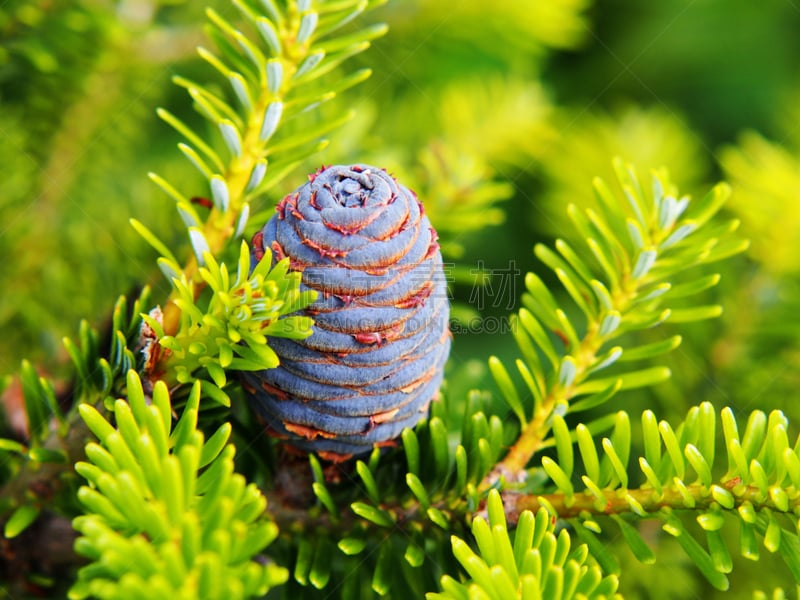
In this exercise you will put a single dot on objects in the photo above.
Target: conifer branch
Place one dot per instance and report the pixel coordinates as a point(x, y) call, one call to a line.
point(758, 489)
point(166, 515)
point(637, 259)
point(538, 564)
point(264, 77)
point(273, 74)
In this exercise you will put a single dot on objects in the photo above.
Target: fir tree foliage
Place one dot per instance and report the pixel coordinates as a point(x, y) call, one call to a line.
point(647, 137)
point(536, 564)
point(632, 278)
point(271, 73)
point(231, 333)
point(48, 53)
point(494, 504)
point(166, 515)
point(628, 275)
point(753, 484)
point(516, 27)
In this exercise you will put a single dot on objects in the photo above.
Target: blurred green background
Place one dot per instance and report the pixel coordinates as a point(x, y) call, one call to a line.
point(497, 114)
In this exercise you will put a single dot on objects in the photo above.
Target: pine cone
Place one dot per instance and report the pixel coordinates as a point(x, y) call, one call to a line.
point(381, 337)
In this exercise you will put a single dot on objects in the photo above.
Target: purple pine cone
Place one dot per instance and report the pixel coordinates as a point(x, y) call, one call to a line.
point(381, 337)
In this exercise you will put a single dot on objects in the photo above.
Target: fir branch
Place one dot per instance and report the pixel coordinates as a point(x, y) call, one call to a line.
point(266, 71)
point(638, 252)
point(538, 564)
point(231, 331)
point(759, 485)
point(166, 514)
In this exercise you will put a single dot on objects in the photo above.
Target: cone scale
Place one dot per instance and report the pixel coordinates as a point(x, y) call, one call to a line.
point(375, 359)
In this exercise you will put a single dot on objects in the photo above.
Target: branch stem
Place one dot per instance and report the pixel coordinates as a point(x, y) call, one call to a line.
point(616, 502)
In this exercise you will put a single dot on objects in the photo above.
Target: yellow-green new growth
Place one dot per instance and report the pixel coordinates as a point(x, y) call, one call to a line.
point(229, 329)
point(167, 517)
point(536, 565)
